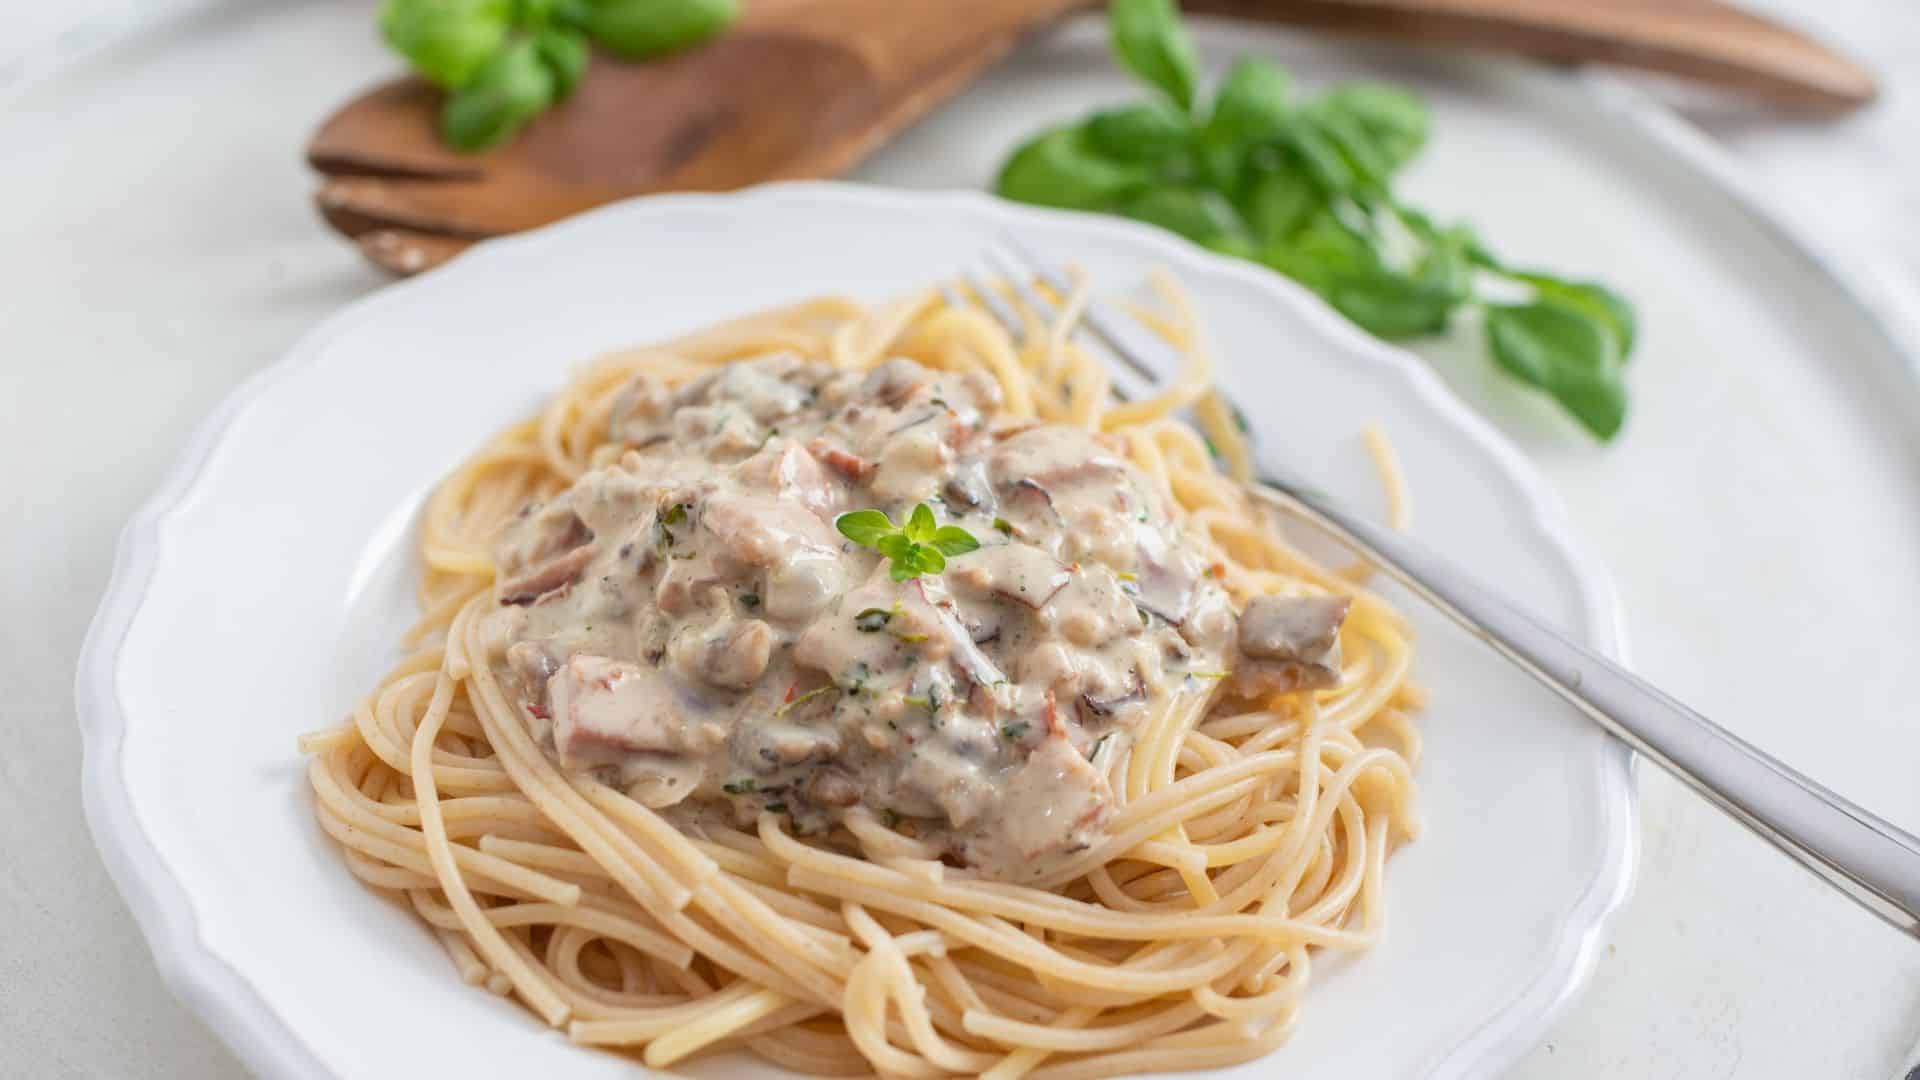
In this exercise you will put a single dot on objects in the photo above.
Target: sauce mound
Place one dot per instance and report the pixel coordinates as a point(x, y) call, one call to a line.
point(687, 624)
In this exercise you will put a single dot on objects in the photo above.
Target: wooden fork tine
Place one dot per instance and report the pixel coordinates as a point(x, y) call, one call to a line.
point(403, 251)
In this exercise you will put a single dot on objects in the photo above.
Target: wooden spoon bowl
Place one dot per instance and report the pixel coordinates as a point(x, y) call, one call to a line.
point(797, 88)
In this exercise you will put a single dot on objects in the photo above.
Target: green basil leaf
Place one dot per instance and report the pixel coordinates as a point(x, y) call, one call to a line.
point(1389, 305)
point(568, 14)
point(1323, 249)
point(1395, 120)
point(446, 41)
point(509, 90)
point(1567, 353)
point(1444, 264)
point(1365, 162)
point(1180, 170)
point(1318, 154)
point(1239, 245)
point(920, 527)
point(1198, 214)
point(1224, 167)
point(901, 571)
point(1148, 39)
point(1444, 271)
point(639, 29)
point(1058, 168)
point(1146, 134)
point(1252, 104)
point(1343, 266)
point(1448, 256)
point(1592, 298)
point(954, 540)
point(565, 54)
point(894, 546)
point(1478, 254)
point(533, 16)
point(864, 527)
point(1277, 202)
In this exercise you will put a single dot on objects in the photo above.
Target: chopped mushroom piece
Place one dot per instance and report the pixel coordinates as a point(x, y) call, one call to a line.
point(792, 473)
point(1105, 707)
point(778, 744)
point(968, 487)
point(1012, 571)
point(833, 787)
point(546, 579)
point(762, 388)
point(977, 665)
point(1165, 584)
point(1292, 642)
point(638, 411)
point(1041, 457)
point(605, 710)
point(533, 664)
point(731, 655)
point(848, 465)
point(538, 534)
point(1053, 805)
point(762, 530)
point(893, 382)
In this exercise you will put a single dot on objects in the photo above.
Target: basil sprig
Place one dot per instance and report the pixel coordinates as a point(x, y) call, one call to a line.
point(1305, 187)
point(504, 62)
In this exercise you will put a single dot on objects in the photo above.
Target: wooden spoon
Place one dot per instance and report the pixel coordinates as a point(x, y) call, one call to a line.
point(808, 88)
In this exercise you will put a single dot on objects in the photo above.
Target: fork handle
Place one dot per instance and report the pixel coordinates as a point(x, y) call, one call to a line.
point(1869, 859)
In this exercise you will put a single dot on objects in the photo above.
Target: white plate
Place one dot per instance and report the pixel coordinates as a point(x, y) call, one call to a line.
point(260, 592)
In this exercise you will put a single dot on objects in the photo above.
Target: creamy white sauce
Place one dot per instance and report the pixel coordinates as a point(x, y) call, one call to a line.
point(688, 624)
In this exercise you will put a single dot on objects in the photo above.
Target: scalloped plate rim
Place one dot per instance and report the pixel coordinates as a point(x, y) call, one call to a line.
point(271, 1045)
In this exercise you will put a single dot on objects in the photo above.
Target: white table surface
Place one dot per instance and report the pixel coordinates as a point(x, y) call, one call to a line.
point(156, 246)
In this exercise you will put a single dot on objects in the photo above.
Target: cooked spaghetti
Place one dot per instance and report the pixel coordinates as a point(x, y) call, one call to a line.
point(685, 761)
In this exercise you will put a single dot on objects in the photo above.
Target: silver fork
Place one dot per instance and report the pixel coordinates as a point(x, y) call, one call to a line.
point(1869, 859)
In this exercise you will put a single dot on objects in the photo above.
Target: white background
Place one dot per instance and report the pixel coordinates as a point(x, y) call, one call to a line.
point(156, 247)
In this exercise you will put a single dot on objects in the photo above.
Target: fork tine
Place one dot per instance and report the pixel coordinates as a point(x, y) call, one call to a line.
point(1120, 384)
point(1114, 331)
point(1016, 276)
point(1122, 380)
point(991, 300)
point(1053, 279)
point(1146, 355)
